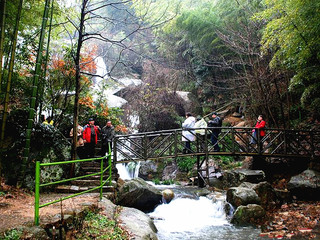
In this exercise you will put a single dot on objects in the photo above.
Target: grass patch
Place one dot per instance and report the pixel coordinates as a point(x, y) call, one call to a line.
point(13, 234)
point(98, 226)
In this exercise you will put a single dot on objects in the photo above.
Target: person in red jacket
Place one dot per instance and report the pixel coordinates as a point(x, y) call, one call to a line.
point(90, 138)
point(260, 125)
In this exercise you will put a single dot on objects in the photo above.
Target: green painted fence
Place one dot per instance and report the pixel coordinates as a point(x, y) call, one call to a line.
point(38, 185)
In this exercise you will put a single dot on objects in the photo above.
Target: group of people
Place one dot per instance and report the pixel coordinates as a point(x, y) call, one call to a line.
point(195, 128)
point(87, 138)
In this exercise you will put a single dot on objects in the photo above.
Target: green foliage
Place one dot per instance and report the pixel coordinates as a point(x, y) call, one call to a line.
point(292, 33)
point(48, 145)
point(227, 162)
point(13, 234)
point(168, 182)
point(156, 181)
point(186, 164)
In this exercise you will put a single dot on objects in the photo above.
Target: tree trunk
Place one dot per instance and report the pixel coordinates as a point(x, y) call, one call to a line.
point(77, 83)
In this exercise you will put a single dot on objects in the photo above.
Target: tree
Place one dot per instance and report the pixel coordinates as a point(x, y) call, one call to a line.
point(292, 35)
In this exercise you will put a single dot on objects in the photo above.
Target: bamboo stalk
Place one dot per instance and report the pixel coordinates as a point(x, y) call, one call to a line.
point(34, 93)
point(11, 64)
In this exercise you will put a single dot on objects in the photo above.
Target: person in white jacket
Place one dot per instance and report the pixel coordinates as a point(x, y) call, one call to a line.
point(188, 133)
point(201, 126)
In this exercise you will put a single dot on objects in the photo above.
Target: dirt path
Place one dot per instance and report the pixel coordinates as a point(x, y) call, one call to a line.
point(17, 208)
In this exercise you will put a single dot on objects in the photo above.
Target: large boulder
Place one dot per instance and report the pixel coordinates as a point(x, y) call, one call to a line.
point(250, 214)
point(148, 170)
point(267, 194)
point(139, 194)
point(237, 196)
point(138, 224)
point(234, 178)
point(170, 171)
point(305, 186)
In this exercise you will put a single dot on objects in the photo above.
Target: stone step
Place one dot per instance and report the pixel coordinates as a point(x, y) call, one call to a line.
point(90, 169)
point(86, 182)
point(77, 189)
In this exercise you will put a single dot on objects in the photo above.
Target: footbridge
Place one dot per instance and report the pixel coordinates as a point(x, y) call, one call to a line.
point(233, 141)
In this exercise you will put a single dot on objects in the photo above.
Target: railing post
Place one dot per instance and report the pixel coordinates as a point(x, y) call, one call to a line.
point(233, 141)
point(175, 144)
point(115, 151)
point(101, 177)
point(145, 150)
point(259, 143)
point(36, 193)
point(109, 162)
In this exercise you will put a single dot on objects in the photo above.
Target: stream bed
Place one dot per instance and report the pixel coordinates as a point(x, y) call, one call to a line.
point(188, 216)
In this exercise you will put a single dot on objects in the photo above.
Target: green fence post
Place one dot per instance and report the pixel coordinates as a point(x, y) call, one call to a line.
point(101, 178)
point(37, 196)
point(109, 162)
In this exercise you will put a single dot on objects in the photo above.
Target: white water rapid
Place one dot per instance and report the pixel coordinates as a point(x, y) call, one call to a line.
point(188, 217)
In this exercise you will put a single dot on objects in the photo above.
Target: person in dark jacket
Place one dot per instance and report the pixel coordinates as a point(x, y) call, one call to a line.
point(215, 123)
point(107, 134)
point(90, 138)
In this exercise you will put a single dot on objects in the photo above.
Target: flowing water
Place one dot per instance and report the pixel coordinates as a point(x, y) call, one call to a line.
point(189, 217)
point(197, 218)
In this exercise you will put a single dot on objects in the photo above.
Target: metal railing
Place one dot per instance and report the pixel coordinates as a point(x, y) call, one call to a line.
point(103, 182)
point(234, 141)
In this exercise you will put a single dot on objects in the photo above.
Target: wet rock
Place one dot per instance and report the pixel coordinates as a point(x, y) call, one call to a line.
point(234, 178)
point(202, 192)
point(138, 224)
point(249, 214)
point(170, 172)
point(237, 196)
point(148, 169)
point(305, 186)
point(167, 195)
point(267, 194)
point(139, 194)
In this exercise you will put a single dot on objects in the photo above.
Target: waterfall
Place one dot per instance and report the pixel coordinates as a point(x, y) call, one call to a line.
point(128, 170)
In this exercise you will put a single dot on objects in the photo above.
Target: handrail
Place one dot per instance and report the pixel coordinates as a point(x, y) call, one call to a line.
point(234, 141)
point(181, 129)
point(37, 205)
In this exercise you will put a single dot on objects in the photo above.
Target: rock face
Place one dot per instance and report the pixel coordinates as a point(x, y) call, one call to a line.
point(249, 214)
point(235, 177)
point(138, 194)
point(237, 196)
point(267, 194)
point(305, 186)
point(139, 225)
point(148, 169)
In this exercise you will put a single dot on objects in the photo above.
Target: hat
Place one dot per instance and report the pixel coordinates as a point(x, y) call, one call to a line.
point(214, 113)
point(90, 119)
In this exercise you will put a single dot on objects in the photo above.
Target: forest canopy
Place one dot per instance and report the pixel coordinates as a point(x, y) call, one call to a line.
point(260, 56)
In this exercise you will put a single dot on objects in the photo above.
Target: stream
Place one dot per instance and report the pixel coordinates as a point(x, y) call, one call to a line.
point(198, 218)
point(189, 217)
